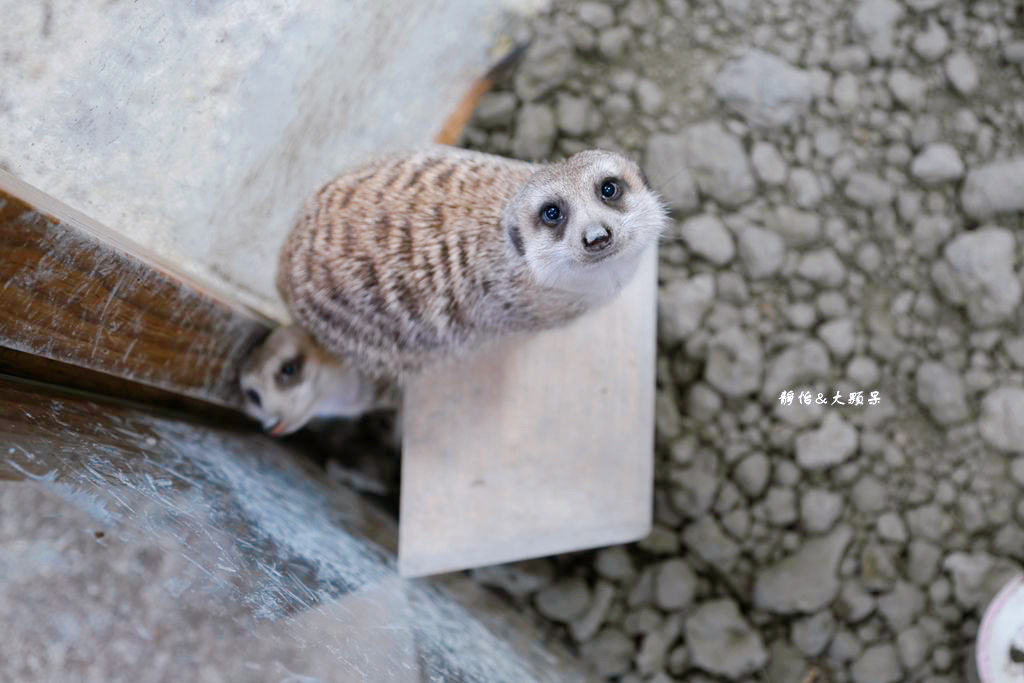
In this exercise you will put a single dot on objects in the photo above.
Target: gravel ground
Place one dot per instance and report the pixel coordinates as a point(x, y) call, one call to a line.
point(847, 182)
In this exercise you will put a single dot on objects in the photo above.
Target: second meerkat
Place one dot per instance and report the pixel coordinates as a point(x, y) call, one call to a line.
point(417, 257)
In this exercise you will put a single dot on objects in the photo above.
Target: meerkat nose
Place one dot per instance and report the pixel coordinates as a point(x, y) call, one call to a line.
point(596, 238)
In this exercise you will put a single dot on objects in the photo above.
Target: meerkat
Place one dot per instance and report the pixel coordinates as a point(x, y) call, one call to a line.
point(288, 380)
point(422, 256)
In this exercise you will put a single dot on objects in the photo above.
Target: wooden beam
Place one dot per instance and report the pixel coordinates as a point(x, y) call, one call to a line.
point(75, 292)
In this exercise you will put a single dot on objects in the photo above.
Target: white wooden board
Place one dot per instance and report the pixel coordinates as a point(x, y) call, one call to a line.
point(538, 445)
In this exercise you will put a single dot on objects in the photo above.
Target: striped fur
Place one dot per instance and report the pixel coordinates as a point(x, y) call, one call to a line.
point(412, 258)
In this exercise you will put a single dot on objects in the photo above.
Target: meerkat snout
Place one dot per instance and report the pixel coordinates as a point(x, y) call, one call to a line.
point(597, 238)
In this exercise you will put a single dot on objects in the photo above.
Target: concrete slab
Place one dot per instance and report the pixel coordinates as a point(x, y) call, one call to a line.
point(534, 446)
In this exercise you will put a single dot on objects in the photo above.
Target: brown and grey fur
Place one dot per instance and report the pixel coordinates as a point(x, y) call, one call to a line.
point(413, 258)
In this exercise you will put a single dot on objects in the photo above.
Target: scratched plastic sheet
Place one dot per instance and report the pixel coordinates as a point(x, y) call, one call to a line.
point(136, 547)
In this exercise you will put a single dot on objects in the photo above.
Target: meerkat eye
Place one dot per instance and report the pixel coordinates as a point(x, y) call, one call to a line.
point(253, 396)
point(610, 189)
point(289, 371)
point(551, 214)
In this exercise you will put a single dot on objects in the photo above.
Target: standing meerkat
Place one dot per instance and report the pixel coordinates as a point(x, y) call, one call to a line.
point(414, 258)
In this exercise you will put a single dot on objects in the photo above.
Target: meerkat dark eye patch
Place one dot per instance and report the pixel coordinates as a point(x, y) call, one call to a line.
point(290, 371)
point(253, 397)
point(554, 215)
point(610, 189)
point(516, 238)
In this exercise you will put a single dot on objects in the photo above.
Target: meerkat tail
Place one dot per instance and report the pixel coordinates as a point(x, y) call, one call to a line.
point(459, 118)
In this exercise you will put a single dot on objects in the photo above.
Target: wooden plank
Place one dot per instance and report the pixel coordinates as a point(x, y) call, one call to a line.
point(534, 446)
point(75, 292)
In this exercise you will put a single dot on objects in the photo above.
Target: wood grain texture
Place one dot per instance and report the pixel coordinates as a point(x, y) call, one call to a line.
point(74, 292)
point(534, 446)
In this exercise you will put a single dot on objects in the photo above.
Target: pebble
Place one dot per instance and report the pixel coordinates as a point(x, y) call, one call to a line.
point(564, 600)
point(820, 509)
point(839, 336)
point(752, 474)
point(495, 110)
point(535, 132)
point(682, 305)
point(994, 188)
point(878, 664)
point(1001, 422)
point(962, 73)
point(768, 164)
point(822, 267)
point(614, 563)
point(977, 272)
point(574, 114)
point(595, 14)
point(735, 363)
point(831, 444)
point(807, 580)
point(610, 653)
point(761, 251)
point(812, 634)
point(675, 585)
point(708, 541)
point(719, 163)
point(931, 43)
point(650, 97)
point(584, 628)
point(907, 89)
point(937, 163)
point(707, 237)
point(868, 190)
point(722, 642)
point(547, 65)
point(874, 21)
point(764, 89)
point(804, 189)
point(941, 392)
point(802, 363)
point(668, 173)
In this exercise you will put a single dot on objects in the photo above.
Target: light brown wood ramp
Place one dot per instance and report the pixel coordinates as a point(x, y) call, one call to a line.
point(539, 445)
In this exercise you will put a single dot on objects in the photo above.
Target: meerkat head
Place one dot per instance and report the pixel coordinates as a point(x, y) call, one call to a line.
point(288, 380)
point(582, 224)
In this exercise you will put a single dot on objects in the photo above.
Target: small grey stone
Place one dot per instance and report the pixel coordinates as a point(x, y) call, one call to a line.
point(923, 561)
point(863, 371)
point(845, 647)
point(768, 164)
point(907, 89)
point(612, 41)
point(722, 642)
point(994, 188)
point(855, 604)
point(564, 600)
point(650, 97)
point(977, 272)
point(937, 163)
point(495, 109)
point(930, 522)
point(707, 237)
point(666, 167)
point(609, 653)
point(820, 510)
point(869, 494)
point(901, 606)
point(764, 89)
point(703, 403)
point(655, 646)
point(868, 190)
point(874, 22)
point(675, 585)
point(707, 540)
point(931, 43)
point(812, 634)
point(803, 361)
point(752, 473)
point(833, 443)
point(584, 628)
point(977, 577)
point(660, 541)
point(780, 506)
point(962, 73)
point(547, 65)
point(1002, 419)
point(762, 252)
point(614, 563)
point(1017, 470)
point(595, 14)
point(1014, 348)
point(878, 664)
point(574, 114)
point(846, 92)
point(517, 578)
point(693, 491)
point(718, 162)
point(891, 528)
point(804, 189)
point(930, 232)
point(807, 580)
point(682, 305)
point(913, 645)
point(839, 336)
point(822, 267)
point(734, 362)
point(535, 132)
point(941, 391)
